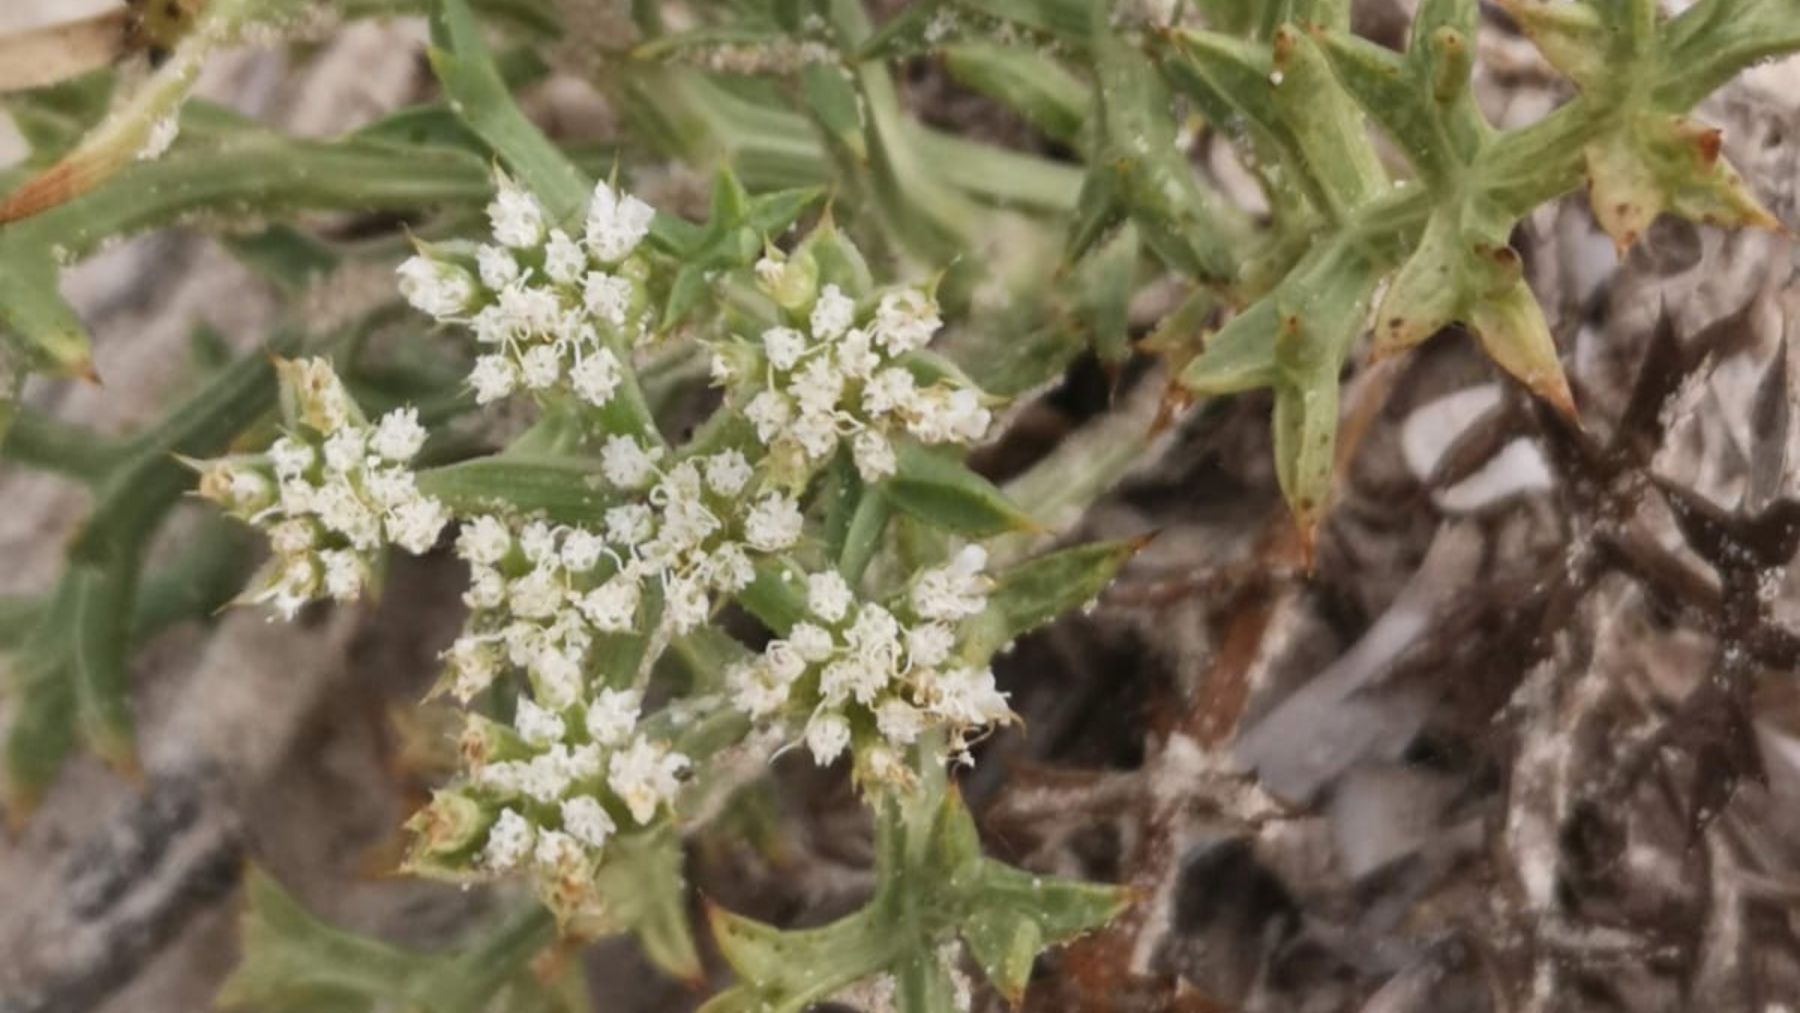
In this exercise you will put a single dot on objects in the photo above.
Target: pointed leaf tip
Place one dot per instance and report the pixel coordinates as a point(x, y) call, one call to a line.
point(1175, 402)
point(1656, 162)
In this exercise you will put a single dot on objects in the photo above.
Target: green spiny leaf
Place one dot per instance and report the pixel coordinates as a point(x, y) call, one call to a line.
point(1462, 271)
point(641, 888)
point(1031, 83)
point(1187, 225)
point(39, 328)
point(1655, 162)
point(561, 489)
point(1643, 155)
point(1006, 945)
point(255, 174)
point(786, 971)
point(1038, 590)
point(1061, 908)
point(1326, 123)
point(737, 227)
point(1104, 283)
point(1317, 322)
point(831, 97)
point(1074, 21)
point(1240, 357)
point(1296, 340)
point(479, 95)
point(1304, 427)
point(295, 962)
point(775, 597)
point(252, 173)
point(52, 120)
point(1710, 42)
point(940, 490)
point(1009, 916)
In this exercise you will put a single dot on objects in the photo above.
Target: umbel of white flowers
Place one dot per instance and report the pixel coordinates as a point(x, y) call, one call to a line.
point(876, 677)
point(331, 491)
point(841, 381)
point(574, 762)
point(549, 310)
point(539, 601)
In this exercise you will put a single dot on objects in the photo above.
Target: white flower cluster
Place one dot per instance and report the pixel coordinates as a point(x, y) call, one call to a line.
point(583, 611)
point(844, 381)
point(562, 783)
point(549, 309)
point(541, 599)
point(331, 491)
point(870, 678)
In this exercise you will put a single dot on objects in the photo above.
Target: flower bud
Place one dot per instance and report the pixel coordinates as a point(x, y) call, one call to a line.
point(882, 767)
point(636, 271)
point(237, 485)
point(486, 741)
point(437, 288)
point(312, 394)
point(447, 836)
point(793, 282)
point(452, 823)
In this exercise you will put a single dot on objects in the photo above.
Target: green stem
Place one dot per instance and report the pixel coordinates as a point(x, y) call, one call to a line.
point(20, 614)
point(472, 979)
point(101, 645)
point(480, 96)
point(41, 728)
point(208, 572)
point(868, 522)
point(629, 410)
point(258, 175)
point(43, 442)
point(1534, 164)
point(136, 495)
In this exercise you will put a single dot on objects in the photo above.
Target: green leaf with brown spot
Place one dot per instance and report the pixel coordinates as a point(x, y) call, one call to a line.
point(1462, 272)
point(1655, 162)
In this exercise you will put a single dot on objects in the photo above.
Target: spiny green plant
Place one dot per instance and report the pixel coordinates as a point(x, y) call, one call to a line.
point(599, 553)
point(1290, 85)
point(607, 715)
